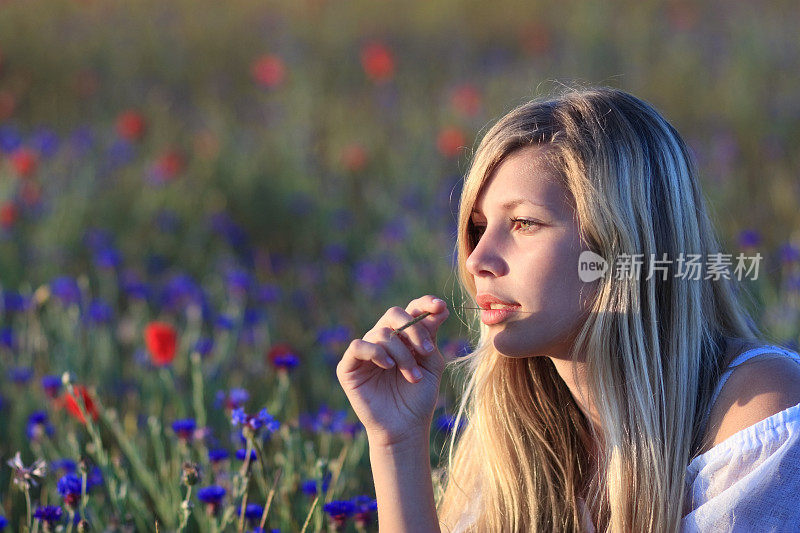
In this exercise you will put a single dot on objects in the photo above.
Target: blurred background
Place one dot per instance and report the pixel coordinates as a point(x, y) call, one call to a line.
point(201, 203)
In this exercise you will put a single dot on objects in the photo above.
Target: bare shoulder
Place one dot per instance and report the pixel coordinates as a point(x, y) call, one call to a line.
point(755, 390)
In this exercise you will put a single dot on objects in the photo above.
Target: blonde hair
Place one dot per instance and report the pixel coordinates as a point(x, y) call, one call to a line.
point(653, 347)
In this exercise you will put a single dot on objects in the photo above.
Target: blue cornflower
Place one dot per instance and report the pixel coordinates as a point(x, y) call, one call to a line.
point(215, 455)
point(789, 253)
point(67, 465)
point(82, 139)
point(262, 420)
point(268, 293)
point(334, 335)
point(180, 291)
point(38, 426)
point(268, 421)
point(94, 478)
point(66, 289)
point(335, 253)
point(132, 285)
point(3, 522)
point(238, 416)
point(212, 497)
point(234, 399)
point(238, 280)
point(49, 514)
point(14, 301)
point(20, 375)
point(97, 238)
point(394, 232)
point(309, 486)
point(184, 428)
point(238, 397)
point(364, 507)
point(120, 153)
point(374, 275)
point(339, 511)
point(252, 512)
point(99, 312)
point(70, 487)
point(224, 322)
point(204, 345)
point(8, 338)
point(283, 357)
point(51, 386)
point(10, 139)
point(749, 238)
point(45, 141)
point(241, 454)
point(107, 258)
point(325, 419)
point(252, 316)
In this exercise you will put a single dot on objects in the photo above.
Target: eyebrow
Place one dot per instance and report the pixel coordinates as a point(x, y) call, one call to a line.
point(511, 204)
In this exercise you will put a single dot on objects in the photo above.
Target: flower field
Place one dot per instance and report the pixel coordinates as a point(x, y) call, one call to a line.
point(201, 204)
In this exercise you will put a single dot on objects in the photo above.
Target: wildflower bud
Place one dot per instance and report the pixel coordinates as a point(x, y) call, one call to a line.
point(42, 294)
point(83, 526)
point(67, 378)
point(191, 474)
point(247, 432)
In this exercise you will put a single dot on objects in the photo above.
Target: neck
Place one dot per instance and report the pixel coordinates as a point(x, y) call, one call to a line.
point(574, 375)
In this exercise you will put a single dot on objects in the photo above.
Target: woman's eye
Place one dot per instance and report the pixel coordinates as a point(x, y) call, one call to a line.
point(523, 223)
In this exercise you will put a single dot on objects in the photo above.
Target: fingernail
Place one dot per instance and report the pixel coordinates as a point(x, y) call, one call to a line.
point(438, 300)
point(416, 373)
point(389, 361)
point(427, 345)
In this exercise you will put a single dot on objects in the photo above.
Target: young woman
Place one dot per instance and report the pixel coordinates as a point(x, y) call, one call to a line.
point(613, 400)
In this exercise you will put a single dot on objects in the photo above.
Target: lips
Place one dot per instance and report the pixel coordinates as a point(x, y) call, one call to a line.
point(495, 310)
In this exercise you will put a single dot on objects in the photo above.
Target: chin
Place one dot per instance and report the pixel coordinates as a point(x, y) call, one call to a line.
point(510, 344)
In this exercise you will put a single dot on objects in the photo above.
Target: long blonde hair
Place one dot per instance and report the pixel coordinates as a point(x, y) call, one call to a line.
point(653, 348)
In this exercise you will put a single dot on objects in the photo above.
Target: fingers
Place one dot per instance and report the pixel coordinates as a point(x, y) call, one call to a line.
point(383, 343)
point(361, 350)
point(417, 336)
point(438, 309)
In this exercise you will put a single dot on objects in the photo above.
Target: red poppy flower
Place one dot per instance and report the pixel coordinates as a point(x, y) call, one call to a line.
point(131, 125)
point(24, 162)
point(378, 62)
point(169, 165)
point(268, 71)
point(161, 341)
point(450, 141)
point(71, 403)
point(8, 214)
point(466, 100)
point(354, 157)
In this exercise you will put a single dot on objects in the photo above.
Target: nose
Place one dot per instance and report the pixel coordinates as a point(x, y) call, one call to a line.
point(486, 259)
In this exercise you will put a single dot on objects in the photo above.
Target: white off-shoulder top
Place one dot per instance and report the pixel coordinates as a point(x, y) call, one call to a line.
point(750, 482)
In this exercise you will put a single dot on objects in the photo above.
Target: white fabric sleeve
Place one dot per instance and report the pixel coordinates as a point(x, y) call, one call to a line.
point(750, 482)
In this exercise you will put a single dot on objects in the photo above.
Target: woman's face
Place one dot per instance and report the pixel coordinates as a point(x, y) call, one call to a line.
point(525, 263)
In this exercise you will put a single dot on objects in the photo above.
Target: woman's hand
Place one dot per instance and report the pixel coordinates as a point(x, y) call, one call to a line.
point(377, 373)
